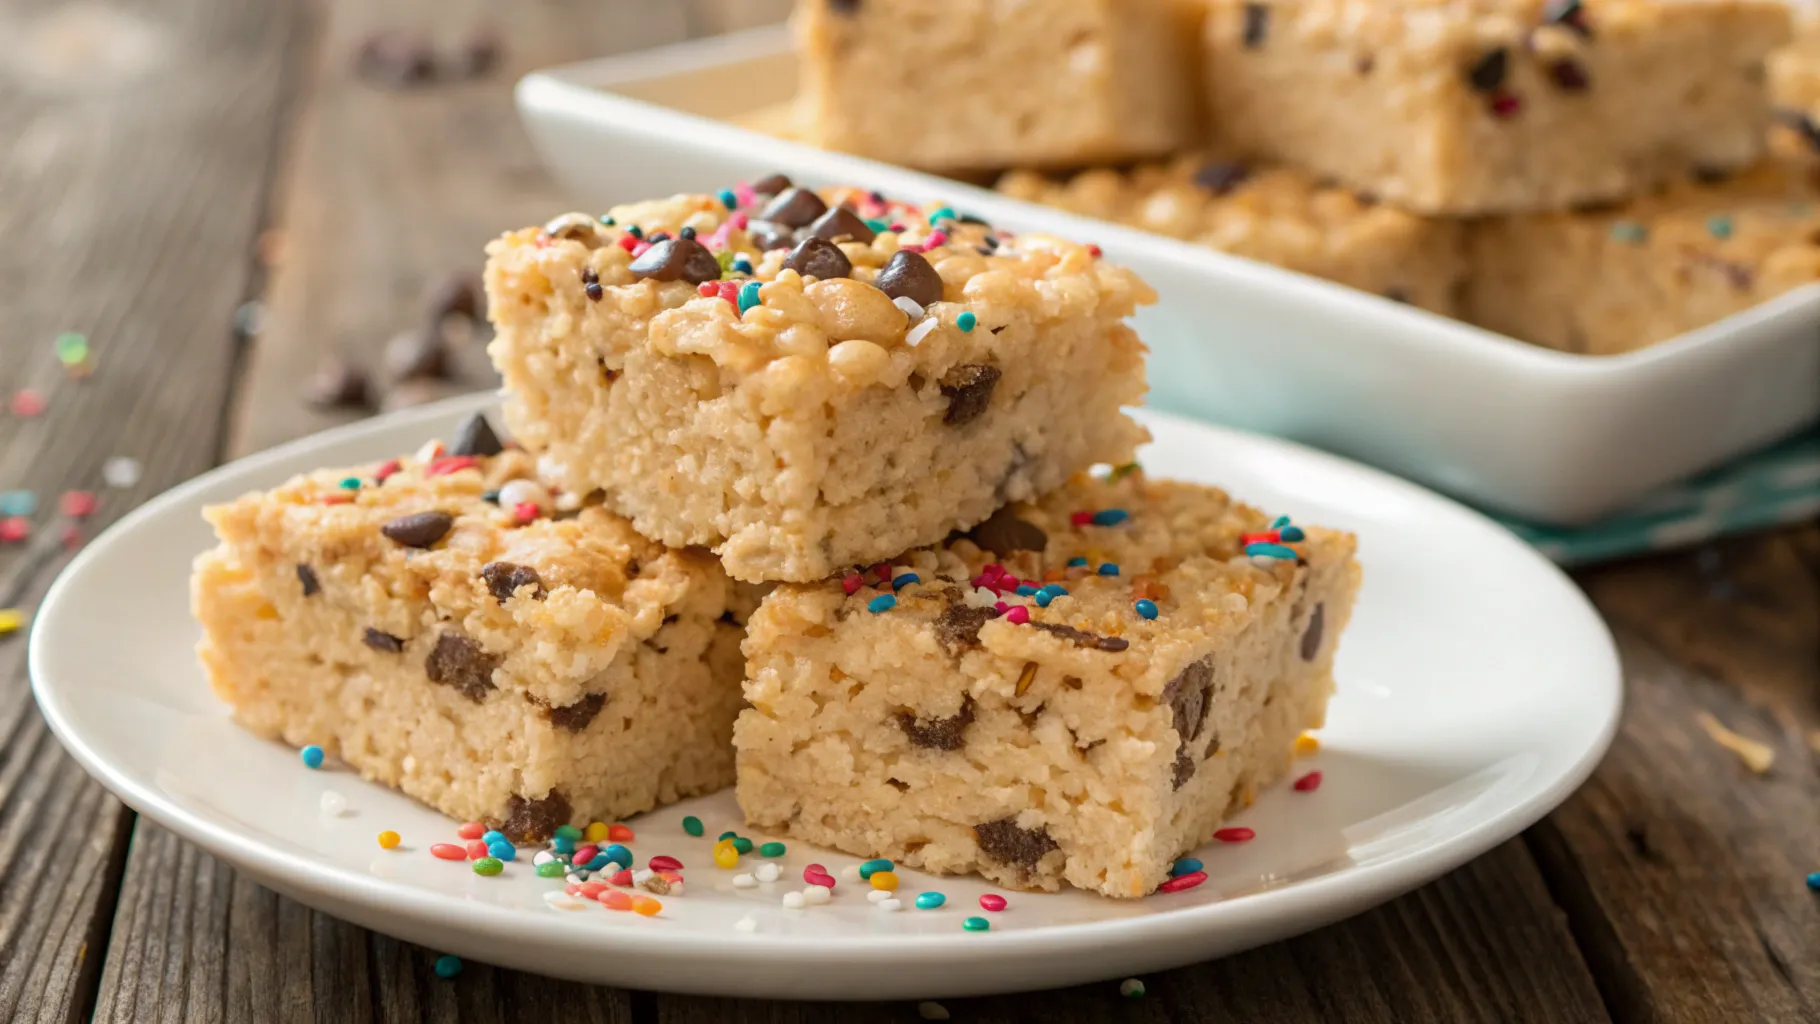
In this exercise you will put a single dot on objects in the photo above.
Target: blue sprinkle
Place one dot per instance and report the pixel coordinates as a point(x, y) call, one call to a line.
point(1719, 226)
point(728, 199)
point(1056, 590)
point(600, 862)
point(966, 321)
point(900, 582)
point(748, 296)
point(1109, 569)
point(504, 851)
point(1292, 534)
point(1813, 881)
point(562, 844)
point(1185, 866)
point(1077, 561)
point(742, 266)
point(1147, 609)
point(1026, 590)
point(882, 603)
point(618, 855)
point(1110, 516)
point(1269, 551)
point(929, 900)
point(18, 503)
point(1629, 231)
point(1279, 522)
point(448, 966)
point(312, 756)
point(1043, 597)
point(492, 836)
point(872, 867)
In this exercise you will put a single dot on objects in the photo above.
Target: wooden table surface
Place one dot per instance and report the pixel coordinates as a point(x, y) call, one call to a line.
point(168, 162)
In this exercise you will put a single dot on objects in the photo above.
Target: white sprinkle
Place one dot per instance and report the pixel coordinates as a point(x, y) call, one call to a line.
point(768, 872)
point(639, 876)
point(524, 492)
point(794, 900)
point(428, 451)
point(912, 308)
point(919, 332)
point(878, 896)
point(120, 472)
point(980, 597)
point(892, 905)
point(850, 872)
point(746, 924)
point(563, 901)
point(676, 889)
point(574, 878)
point(744, 881)
point(1235, 602)
point(543, 857)
point(816, 895)
point(932, 1010)
point(333, 803)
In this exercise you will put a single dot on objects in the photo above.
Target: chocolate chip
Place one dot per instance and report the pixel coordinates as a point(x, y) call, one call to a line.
point(1257, 24)
point(475, 437)
point(1487, 73)
point(1082, 638)
point(1311, 638)
point(504, 578)
point(968, 388)
point(677, 259)
point(958, 626)
point(575, 227)
point(337, 384)
point(477, 54)
point(577, 716)
point(1569, 76)
point(767, 236)
point(307, 576)
point(419, 529)
point(839, 223)
point(793, 208)
point(1187, 696)
point(396, 58)
point(382, 641)
point(1008, 843)
point(1003, 533)
point(907, 275)
point(534, 821)
point(1184, 767)
point(461, 662)
point(421, 353)
point(1569, 13)
point(771, 184)
point(590, 285)
point(1222, 176)
point(818, 258)
point(938, 733)
point(457, 294)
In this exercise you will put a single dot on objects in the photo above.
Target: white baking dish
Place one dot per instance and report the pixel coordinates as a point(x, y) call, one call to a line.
point(1531, 432)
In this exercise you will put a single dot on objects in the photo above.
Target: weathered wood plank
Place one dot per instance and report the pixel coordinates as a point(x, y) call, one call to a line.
point(139, 146)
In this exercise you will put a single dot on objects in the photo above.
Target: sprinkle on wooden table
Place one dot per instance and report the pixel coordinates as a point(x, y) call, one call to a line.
point(1758, 757)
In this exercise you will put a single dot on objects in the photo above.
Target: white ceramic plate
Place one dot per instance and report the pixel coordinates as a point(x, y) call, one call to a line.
point(1477, 688)
point(1530, 432)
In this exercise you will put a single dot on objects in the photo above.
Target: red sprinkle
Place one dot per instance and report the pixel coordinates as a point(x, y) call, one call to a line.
point(1181, 882)
point(1268, 537)
point(591, 890)
point(524, 511)
point(1094, 250)
point(622, 877)
point(1505, 105)
point(448, 851)
point(78, 504)
point(471, 830)
point(882, 570)
point(27, 402)
point(661, 862)
point(477, 848)
point(619, 833)
point(1080, 518)
point(708, 289)
point(729, 290)
point(627, 242)
point(15, 529)
point(935, 238)
point(1308, 783)
point(1018, 615)
point(1233, 835)
point(992, 901)
point(451, 464)
point(851, 582)
point(584, 854)
point(386, 468)
point(1007, 582)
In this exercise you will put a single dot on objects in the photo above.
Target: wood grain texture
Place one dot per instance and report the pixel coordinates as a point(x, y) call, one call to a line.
point(140, 139)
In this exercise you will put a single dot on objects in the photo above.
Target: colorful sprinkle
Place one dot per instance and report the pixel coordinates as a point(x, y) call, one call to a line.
point(448, 851)
point(1131, 988)
point(742, 844)
point(1719, 226)
point(10, 620)
point(1308, 783)
point(1109, 569)
point(27, 403)
point(550, 869)
point(618, 854)
point(15, 529)
point(992, 901)
point(748, 296)
point(1813, 881)
point(1291, 534)
point(312, 756)
point(1187, 865)
point(18, 503)
point(1182, 883)
point(562, 844)
point(725, 855)
point(502, 851)
point(351, 483)
point(884, 880)
point(692, 824)
point(619, 833)
point(977, 924)
point(489, 866)
point(664, 862)
point(1146, 609)
point(882, 603)
point(905, 580)
point(477, 848)
point(771, 850)
point(966, 322)
point(930, 900)
point(939, 214)
point(71, 348)
point(1110, 516)
point(1265, 550)
point(1076, 561)
point(448, 966)
point(389, 840)
point(1629, 231)
point(1306, 744)
point(493, 835)
point(1234, 835)
point(1018, 615)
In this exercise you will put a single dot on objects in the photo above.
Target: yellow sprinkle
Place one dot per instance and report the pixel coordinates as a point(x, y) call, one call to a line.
point(1306, 744)
point(1756, 756)
point(596, 831)
point(886, 880)
point(10, 620)
point(726, 854)
point(388, 840)
point(1025, 678)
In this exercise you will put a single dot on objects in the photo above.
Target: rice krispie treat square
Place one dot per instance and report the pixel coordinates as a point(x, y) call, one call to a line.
point(1078, 691)
point(808, 380)
point(958, 85)
point(450, 626)
point(1485, 106)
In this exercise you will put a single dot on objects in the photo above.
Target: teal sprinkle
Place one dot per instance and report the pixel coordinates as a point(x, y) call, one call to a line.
point(1043, 597)
point(1719, 226)
point(929, 900)
point(977, 924)
point(18, 503)
point(562, 844)
point(550, 869)
point(1279, 522)
point(966, 321)
point(882, 603)
point(635, 231)
point(742, 266)
point(1054, 590)
point(448, 966)
point(1110, 516)
point(728, 199)
point(941, 213)
point(877, 226)
point(1629, 231)
point(607, 220)
point(1077, 561)
point(618, 854)
point(1109, 569)
point(742, 844)
point(1292, 534)
point(692, 825)
point(872, 867)
point(1185, 866)
point(728, 834)
point(748, 296)
point(771, 850)
point(1813, 881)
point(351, 483)
point(569, 832)
point(1269, 551)
point(1147, 609)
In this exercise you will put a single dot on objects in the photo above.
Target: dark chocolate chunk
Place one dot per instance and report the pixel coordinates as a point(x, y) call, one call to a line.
point(421, 353)
point(677, 259)
point(1487, 73)
point(819, 258)
point(1257, 25)
point(590, 285)
point(1569, 75)
point(794, 208)
point(908, 275)
point(958, 626)
point(475, 437)
point(307, 576)
point(938, 733)
point(1570, 13)
point(839, 223)
point(1801, 122)
point(1221, 176)
point(534, 821)
point(396, 58)
point(380, 640)
point(767, 236)
point(458, 294)
point(461, 662)
point(1003, 533)
point(1187, 696)
point(1183, 768)
point(577, 716)
point(337, 384)
point(1311, 638)
point(770, 184)
point(968, 388)
point(504, 578)
point(1008, 843)
point(1082, 638)
point(419, 529)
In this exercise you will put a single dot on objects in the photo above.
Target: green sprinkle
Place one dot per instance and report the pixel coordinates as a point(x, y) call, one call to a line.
point(977, 924)
point(489, 866)
point(1131, 988)
point(550, 869)
point(72, 348)
point(966, 321)
point(692, 825)
point(725, 258)
point(872, 867)
point(742, 844)
point(878, 226)
point(771, 850)
point(728, 834)
point(569, 832)
point(941, 213)
point(608, 220)
point(351, 483)
point(1629, 231)
point(1719, 226)
point(1121, 472)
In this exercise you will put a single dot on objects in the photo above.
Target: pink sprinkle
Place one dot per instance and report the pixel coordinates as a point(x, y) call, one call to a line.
point(936, 238)
point(1001, 607)
point(992, 901)
point(524, 511)
point(744, 196)
point(1018, 615)
point(15, 529)
point(1308, 783)
point(78, 504)
point(1181, 882)
point(663, 862)
point(826, 881)
point(584, 854)
point(640, 249)
point(851, 582)
point(1080, 518)
point(386, 468)
point(477, 848)
point(27, 402)
point(572, 889)
point(898, 228)
point(1234, 835)
point(817, 868)
point(622, 877)
point(471, 830)
point(448, 851)
point(740, 220)
point(993, 570)
point(1007, 582)
point(451, 464)
point(718, 240)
